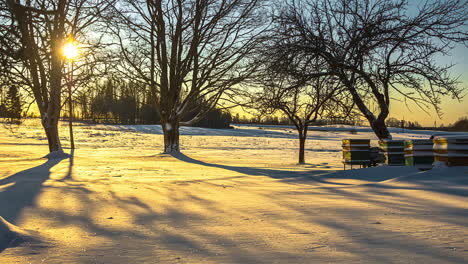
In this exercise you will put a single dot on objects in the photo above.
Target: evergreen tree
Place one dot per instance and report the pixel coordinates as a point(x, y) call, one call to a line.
point(13, 103)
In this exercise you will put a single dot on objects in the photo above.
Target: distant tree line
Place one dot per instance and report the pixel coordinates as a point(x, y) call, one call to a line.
point(460, 125)
point(116, 101)
point(283, 120)
point(394, 122)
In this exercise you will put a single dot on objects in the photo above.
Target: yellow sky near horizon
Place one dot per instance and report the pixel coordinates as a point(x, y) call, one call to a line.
point(452, 109)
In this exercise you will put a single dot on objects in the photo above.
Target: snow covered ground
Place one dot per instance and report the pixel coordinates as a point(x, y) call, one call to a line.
point(234, 196)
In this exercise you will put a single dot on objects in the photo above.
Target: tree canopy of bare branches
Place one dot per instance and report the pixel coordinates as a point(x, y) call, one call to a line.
point(299, 88)
point(379, 49)
point(185, 51)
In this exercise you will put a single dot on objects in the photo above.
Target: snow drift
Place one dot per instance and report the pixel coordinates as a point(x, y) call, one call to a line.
point(12, 236)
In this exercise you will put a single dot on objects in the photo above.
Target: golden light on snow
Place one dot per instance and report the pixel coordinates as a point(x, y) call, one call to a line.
point(70, 50)
point(239, 193)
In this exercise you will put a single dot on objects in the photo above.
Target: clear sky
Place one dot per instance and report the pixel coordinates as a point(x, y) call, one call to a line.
point(452, 109)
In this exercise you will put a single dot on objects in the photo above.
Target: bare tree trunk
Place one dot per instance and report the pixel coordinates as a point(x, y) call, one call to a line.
point(380, 129)
point(302, 140)
point(302, 131)
point(51, 129)
point(377, 124)
point(171, 136)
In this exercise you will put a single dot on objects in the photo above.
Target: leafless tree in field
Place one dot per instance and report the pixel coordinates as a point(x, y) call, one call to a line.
point(32, 37)
point(185, 51)
point(300, 88)
point(379, 49)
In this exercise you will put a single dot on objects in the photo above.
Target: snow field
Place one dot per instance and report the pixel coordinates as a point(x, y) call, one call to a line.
point(233, 196)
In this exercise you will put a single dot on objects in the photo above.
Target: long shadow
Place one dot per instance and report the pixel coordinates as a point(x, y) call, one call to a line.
point(276, 174)
point(450, 182)
point(372, 174)
point(69, 175)
point(322, 176)
point(439, 187)
point(20, 190)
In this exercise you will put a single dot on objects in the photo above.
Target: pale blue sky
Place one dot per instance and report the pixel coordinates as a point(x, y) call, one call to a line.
point(452, 109)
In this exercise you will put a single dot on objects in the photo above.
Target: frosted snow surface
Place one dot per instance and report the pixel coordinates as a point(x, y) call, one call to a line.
point(232, 196)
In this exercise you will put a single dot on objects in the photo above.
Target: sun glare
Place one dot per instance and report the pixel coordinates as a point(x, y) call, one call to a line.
point(70, 50)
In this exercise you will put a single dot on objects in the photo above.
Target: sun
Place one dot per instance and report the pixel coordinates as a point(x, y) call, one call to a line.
point(70, 50)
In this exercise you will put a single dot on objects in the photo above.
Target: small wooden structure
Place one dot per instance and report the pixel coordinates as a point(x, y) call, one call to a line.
point(451, 150)
point(394, 151)
point(418, 153)
point(356, 152)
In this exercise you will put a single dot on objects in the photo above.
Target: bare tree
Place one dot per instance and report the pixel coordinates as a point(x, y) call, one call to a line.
point(285, 85)
point(379, 49)
point(185, 51)
point(33, 34)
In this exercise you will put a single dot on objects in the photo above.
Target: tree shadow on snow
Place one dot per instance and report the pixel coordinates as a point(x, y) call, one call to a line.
point(376, 177)
point(19, 190)
point(69, 175)
point(150, 235)
point(286, 175)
